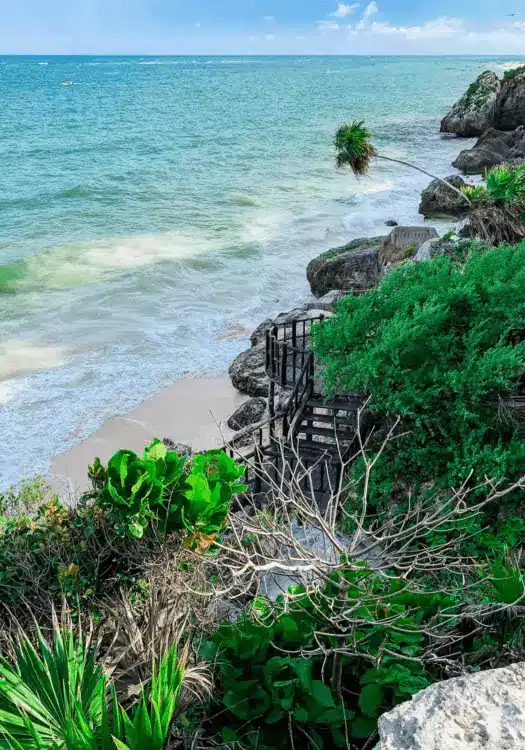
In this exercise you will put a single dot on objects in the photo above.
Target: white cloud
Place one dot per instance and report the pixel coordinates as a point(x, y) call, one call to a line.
point(270, 37)
point(198, 25)
point(325, 26)
point(344, 10)
point(269, 18)
point(519, 25)
point(371, 9)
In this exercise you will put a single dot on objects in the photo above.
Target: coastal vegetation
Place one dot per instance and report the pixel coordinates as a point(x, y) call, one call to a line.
point(171, 606)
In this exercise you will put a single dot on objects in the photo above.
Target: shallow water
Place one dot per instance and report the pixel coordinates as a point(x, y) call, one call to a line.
point(153, 205)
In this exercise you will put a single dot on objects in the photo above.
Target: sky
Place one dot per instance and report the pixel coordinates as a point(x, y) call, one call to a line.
point(306, 27)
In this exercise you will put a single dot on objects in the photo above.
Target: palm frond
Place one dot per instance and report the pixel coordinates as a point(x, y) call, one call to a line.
point(354, 148)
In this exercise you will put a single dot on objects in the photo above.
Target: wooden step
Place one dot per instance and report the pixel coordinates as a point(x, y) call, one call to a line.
point(335, 405)
point(328, 418)
point(325, 431)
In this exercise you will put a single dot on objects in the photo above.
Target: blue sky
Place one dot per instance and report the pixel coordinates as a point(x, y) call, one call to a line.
point(262, 27)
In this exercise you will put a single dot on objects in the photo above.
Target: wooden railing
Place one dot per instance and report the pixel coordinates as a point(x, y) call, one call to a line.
point(290, 367)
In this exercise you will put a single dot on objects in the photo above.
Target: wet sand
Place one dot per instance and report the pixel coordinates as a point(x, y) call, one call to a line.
point(193, 411)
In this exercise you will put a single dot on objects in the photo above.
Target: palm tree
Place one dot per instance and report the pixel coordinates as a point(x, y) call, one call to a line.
point(354, 149)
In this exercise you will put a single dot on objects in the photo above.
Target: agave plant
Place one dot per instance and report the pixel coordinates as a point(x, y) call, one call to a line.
point(55, 696)
point(354, 149)
point(497, 214)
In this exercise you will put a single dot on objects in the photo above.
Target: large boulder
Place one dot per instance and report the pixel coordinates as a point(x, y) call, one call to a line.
point(250, 412)
point(509, 112)
point(403, 243)
point(474, 112)
point(482, 711)
point(353, 266)
point(247, 371)
point(494, 147)
point(438, 200)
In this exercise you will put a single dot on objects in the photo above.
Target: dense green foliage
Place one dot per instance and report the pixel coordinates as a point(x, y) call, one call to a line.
point(441, 344)
point(55, 696)
point(278, 672)
point(353, 147)
point(176, 493)
point(107, 538)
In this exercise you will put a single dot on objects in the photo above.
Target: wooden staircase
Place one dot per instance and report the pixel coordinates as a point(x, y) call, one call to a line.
point(303, 426)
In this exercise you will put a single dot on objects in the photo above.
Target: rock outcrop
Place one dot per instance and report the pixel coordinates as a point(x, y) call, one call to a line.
point(482, 711)
point(509, 111)
point(403, 243)
point(250, 412)
point(441, 246)
point(247, 371)
point(494, 147)
point(353, 266)
point(474, 112)
point(327, 302)
point(438, 200)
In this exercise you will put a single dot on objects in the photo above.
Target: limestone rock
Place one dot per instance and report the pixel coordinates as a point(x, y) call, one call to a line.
point(180, 448)
point(438, 200)
point(353, 266)
point(327, 302)
point(464, 228)
point(247, 371)
point(494, 147)
point(440, 246)
point(311, 539)
point(510, 105)
point(250, 412)
point(260, 332)
point(474, 112)
point(482, 711)
point(403, 243)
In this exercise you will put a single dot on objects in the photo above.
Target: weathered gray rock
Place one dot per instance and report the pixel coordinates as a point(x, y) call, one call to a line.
point(494, 147)
point(510, 104)
point(180, 448)
point(353, 266)
point(311, 539)
point(440, 246)
point(438, 200)
point(250, 412)
point(247, 371)
point(299, 313)
point(327, 302)
point(260, 332)
point(403, 243)
point(464, 228)
point(474, 112)
point(482, 711)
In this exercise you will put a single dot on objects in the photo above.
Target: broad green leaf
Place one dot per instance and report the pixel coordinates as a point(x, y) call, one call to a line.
point(370, 699)
point(322, 694)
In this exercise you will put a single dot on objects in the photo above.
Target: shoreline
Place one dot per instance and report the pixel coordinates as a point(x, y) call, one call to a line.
point(193, 411)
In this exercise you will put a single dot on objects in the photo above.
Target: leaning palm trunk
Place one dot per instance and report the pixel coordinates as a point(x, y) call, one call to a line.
point(354, 149)
point(497, 224)
point(429, 174)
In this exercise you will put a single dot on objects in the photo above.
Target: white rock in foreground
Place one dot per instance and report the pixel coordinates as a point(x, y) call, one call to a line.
point(482, 711)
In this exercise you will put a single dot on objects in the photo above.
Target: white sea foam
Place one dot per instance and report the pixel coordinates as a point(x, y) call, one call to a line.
point(21, 357)
point(76, 265)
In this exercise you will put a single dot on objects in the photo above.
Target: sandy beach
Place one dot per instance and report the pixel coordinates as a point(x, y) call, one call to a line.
point(192, 411)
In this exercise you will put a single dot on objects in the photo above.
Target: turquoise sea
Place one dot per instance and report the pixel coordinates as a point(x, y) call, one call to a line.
point(154, 210)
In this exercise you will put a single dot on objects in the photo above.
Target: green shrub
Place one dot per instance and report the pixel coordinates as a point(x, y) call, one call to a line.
point(440, 344)
point(278, 675)
point(107, 539)
point(175, 492)
point(55, 696)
